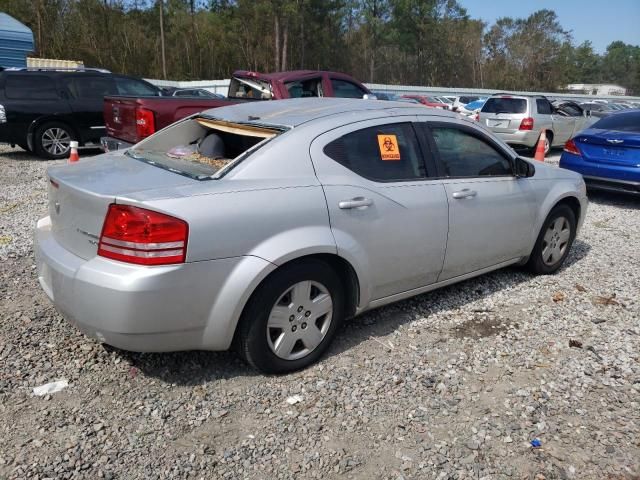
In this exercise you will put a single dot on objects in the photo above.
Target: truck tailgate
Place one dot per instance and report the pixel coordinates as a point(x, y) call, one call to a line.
point(120, 118)
point(123, 115)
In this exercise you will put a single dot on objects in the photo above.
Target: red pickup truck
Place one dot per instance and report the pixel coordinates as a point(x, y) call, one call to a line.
point(129, 119)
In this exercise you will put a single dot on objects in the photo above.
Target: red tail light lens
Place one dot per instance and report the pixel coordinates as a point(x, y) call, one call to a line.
point(526, 124)
point(137, 235)
point(571, 147)
point(145, 123)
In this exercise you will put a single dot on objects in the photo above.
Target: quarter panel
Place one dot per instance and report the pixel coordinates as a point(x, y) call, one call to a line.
point(269, 223)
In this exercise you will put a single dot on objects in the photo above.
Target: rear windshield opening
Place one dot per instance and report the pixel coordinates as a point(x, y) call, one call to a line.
point(201, 148)
point(505, 105)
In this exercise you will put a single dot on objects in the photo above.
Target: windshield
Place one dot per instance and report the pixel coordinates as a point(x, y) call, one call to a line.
point(202, 148)
point(250, 88)
point(621, 122)
point(505, 105)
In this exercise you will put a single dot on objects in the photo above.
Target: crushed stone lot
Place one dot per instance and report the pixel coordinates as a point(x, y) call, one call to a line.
point(453, 384)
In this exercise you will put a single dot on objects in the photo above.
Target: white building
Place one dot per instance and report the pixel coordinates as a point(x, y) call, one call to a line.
point(597, 88)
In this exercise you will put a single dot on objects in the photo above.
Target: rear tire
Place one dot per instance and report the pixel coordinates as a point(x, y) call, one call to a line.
point(53, 140)
point(292, 317)
point(554, 241)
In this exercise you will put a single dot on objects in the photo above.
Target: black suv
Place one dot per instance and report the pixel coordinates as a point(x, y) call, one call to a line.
point(43, 110)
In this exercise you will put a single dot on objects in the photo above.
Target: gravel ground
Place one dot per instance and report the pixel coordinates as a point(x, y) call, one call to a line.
point(453, 384)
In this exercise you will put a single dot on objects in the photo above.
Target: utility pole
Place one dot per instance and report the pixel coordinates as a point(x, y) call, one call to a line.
point(164, 61)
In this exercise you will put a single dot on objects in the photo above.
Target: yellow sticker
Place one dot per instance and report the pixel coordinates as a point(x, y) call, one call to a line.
point(389, 149)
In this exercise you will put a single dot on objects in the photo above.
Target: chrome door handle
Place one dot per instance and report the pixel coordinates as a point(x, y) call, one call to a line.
point(465, 193)
point(358, 202)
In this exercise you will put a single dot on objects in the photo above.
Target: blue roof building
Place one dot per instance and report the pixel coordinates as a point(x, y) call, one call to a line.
point(16, 42)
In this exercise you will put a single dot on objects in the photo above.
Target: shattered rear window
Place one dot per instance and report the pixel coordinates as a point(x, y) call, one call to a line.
point(202, 148)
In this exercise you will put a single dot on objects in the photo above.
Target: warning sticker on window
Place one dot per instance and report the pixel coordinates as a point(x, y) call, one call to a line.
point(389, 149)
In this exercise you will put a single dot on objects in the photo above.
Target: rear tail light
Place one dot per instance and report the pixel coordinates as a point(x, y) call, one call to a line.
point(137, 235)
point(145, 122)
point(571, 147)
point(526, 124)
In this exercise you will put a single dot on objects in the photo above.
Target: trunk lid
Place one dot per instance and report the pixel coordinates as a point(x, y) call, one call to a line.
point(609, 147)
point(80, 194)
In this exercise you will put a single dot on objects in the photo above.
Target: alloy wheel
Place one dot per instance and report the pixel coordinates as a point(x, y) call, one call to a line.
point(56, 141)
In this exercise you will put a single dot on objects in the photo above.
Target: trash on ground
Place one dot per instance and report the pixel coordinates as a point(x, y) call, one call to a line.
point(558, 297)
point(610, 300)
point(292, 400)
point(575, 343)
point(52, 387)
point(536, 443)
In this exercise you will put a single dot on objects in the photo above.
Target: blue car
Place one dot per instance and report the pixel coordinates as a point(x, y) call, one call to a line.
point(607, 154)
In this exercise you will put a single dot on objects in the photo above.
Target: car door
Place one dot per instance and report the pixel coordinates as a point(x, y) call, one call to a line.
point(86, 92)
point(491, 212)
point(562, 124)
point(388, 217)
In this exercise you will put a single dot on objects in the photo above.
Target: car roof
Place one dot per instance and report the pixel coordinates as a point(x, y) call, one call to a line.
point(294, 112)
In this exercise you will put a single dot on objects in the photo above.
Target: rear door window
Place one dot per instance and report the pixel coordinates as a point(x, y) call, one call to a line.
point(134, 87)
point(305, 88)
point(465, 154)
point(543, 106)
point(94, 87)
point(345, 89)
point(505, 105)
point(385, 153)
point(32, 87)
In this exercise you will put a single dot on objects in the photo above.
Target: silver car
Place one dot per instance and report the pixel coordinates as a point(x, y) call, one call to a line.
point(265, 225)
point(519, 120)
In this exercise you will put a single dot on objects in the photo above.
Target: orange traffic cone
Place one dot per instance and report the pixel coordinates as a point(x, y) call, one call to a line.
point(73, 156)
point(540, 148)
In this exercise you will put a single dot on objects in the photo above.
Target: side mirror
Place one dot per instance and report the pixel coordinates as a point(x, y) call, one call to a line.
point(524, 168)
point(369, 96)
point(587, 113)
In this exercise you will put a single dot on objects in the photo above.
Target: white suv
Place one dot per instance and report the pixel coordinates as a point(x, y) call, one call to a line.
point(519, 120)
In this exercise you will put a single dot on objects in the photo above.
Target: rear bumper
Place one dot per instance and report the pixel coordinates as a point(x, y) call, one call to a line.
point(524, 138)
point(110, 144)
point(144, 309)
point(617, 178)
point(613, 185)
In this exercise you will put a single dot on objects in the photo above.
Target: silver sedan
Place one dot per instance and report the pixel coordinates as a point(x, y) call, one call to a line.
point(265, 225)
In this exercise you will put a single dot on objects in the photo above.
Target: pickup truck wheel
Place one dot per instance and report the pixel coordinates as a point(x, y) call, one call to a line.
point(554, 241)
point(292, 318)
point(53, 140)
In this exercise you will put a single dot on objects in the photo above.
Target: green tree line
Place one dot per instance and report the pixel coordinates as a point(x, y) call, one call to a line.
point(408, 42)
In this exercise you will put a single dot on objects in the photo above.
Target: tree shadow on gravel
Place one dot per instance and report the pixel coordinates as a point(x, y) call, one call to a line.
point(198, 367)
point(613, 199)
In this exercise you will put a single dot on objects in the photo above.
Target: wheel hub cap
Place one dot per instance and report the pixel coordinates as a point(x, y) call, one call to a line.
point(555, 241)
point(299, 320)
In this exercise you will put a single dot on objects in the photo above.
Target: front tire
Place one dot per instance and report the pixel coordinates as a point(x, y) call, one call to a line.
point(292, 318)
point(554, 241)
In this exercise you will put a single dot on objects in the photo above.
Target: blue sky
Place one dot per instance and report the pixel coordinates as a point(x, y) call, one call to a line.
point(599, 21)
